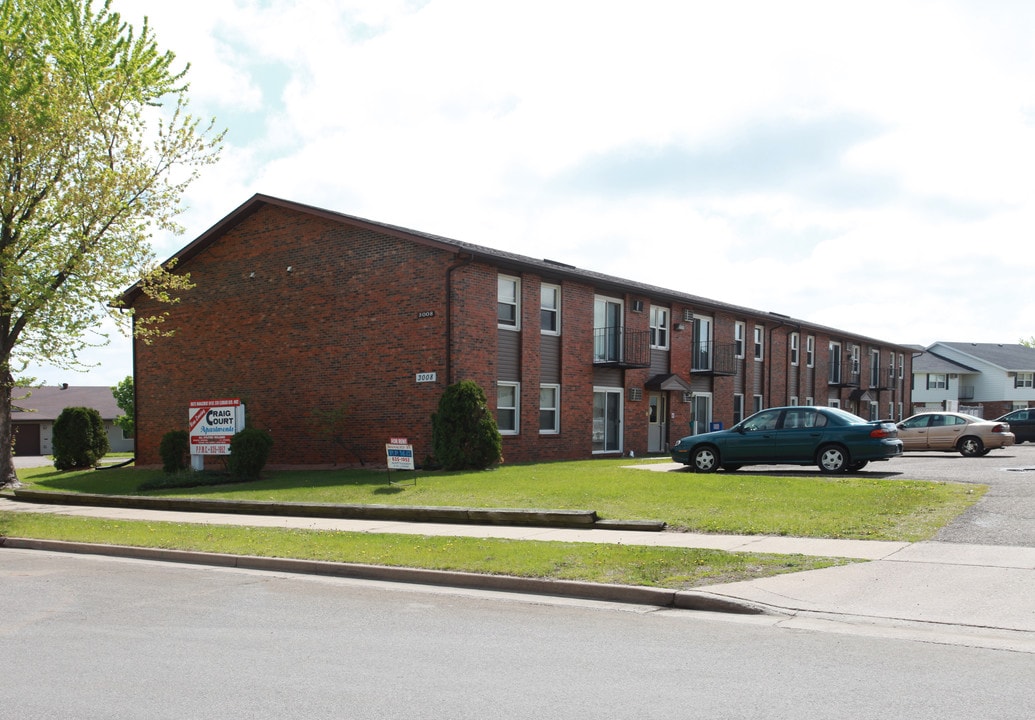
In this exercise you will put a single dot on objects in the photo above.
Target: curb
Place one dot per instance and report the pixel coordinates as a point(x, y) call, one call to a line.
point(658, 597)
point(403, 513)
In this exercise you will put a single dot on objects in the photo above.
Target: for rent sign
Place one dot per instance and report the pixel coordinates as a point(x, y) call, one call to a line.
point(212, 423)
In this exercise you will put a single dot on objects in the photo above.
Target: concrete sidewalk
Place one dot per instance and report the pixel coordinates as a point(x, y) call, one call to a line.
point(972, 595)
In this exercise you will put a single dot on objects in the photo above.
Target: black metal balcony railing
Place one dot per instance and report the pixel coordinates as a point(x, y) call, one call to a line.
point(847, 375)
point(618, 347)
point(714, 358)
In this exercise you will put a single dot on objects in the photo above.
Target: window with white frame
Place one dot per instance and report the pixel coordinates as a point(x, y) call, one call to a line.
point(738, 407)
point(793, 401)
point(834, 402)
point(874, 367)
point(739, 336)
point(810, 351)
point(1024, 380)
point(794, 340)
point(659, 327)
point(810, 401)
point(937, 381)
point(835, 363)
point(901, 366)
point(507, 410)
point(874, 411)
point(891, 369)
point(508, 301)
point(549, 409)
point(550, 309)
point(701, 359)
point(757, 404)
point(856, 365)
point(759, 342)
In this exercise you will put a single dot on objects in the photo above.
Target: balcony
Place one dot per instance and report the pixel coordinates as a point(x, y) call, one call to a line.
point(618, 347)
point(710, 358)
point(845, 375)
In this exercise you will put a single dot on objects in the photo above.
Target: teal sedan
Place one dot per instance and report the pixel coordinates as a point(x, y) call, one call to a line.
point(835, 440)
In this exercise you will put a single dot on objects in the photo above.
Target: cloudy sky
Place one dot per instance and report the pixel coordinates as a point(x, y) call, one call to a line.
point(864, 165)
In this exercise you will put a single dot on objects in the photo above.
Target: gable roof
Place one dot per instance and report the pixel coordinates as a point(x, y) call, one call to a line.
point(930, 362)
point(40, 404)
point(1009, 357)
point(513, 262)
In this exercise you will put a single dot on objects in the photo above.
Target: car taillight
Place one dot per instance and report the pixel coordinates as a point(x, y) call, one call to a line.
point(879, 433)
point(1001, 428)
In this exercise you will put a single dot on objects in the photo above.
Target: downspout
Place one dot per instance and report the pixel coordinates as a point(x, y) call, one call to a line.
point(462, 262)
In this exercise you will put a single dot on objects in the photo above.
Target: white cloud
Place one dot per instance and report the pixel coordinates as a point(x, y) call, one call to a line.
point(865, 166)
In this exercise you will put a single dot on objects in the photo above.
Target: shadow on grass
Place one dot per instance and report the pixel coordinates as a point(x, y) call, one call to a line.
point(128, 481)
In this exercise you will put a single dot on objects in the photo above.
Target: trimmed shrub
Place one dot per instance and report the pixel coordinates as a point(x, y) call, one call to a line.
point(464, 434)
point(80, 439)
point(175, 451)
point(249, 450)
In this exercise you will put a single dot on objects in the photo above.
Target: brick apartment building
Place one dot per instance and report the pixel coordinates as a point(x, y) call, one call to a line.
point(297, 309)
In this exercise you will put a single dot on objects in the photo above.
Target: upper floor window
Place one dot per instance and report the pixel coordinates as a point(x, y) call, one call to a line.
point(508, 302)
point(856, 366)
point(794, 348)
point(607, 330)
point(702, 357)
point(875, 368)
point(901, 366)
point(1024, 380)
point(550, 310)
point(759, 342)
point(739, 336)
point(835, 363)
point(659, 327)
point(810, 351)
point(936, 381)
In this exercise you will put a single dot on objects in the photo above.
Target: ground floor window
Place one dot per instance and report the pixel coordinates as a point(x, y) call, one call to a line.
point(607, 420)
point(549, 409)
point(507, 411)
point(738, 407)
point(702, 413)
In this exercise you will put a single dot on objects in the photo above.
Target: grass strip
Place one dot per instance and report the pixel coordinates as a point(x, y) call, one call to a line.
point(802, 504)
point(670, 568)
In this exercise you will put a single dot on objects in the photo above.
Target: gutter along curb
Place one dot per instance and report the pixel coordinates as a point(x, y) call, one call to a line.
point(659, 597)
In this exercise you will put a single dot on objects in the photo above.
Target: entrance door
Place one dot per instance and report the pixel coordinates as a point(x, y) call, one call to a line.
point(702, 408)
point(657, 423)
point(26, 438)
point(607, 420)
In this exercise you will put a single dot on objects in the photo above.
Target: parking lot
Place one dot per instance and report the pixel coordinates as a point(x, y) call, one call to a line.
point(1004, 516)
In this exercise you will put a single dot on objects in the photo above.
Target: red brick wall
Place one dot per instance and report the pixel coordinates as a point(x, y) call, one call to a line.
point(341, 328)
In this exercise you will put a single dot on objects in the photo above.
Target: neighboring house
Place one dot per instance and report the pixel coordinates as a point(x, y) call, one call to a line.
point(35, 410)
point(298, 309)
point(984, 379)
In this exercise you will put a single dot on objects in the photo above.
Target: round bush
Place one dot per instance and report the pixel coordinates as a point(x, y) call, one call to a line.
point(175, 451)
point(249, 450)
point(464, 434)
point(80, 439)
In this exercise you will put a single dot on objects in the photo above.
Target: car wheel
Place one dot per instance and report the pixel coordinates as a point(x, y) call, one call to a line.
point(832, 459)
point(731, 467)
point(858, 465)
point(971, 447)
point(704, 460)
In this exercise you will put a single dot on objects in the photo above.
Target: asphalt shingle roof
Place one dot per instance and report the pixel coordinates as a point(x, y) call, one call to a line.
point(41, 404)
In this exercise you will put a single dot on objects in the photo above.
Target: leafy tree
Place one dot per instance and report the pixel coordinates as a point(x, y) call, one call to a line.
point(1030, 342)
point(96, 149)
point(464, 434)
point(125, 398)
point(80, 439)
point(174, 450)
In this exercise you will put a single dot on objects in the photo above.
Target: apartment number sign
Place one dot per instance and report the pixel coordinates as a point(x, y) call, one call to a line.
point(425, 314)
point(426, 377)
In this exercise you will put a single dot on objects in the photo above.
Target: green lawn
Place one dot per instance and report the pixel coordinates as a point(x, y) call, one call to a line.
point(810, 505)
point(807, 505)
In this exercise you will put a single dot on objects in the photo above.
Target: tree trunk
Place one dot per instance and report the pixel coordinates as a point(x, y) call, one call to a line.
point(8, 477)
